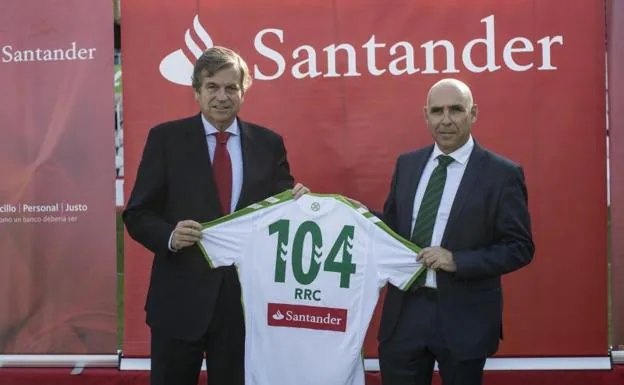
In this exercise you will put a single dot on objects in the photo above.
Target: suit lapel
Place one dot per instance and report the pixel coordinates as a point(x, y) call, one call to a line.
point(197, 149)
point(466, 187)
point(246, 149)
point(414, 173)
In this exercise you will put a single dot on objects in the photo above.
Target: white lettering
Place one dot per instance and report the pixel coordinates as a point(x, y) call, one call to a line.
point(509, 49)
point(70, 54)
point(327, 320)
point(450, 57)
point(53, 219)
point(17, 56)
point(270, 54)
point(28, 55)
point(7, 54)
point(370, 46)
point(408, 58)
point(40, 208)
point(331, 60)
point(546, 42)
point(76, 207)
point(490, 64)
point(310, 61)
point(8, 208)
point(39, 54)
point(437, 56)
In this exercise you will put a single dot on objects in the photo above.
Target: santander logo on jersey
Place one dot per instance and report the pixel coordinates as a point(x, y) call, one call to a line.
point(372, 56)
point(307, 317)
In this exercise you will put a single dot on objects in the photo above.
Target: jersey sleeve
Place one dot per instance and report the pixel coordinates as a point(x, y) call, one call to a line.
point(395, 256)
point(223, 240)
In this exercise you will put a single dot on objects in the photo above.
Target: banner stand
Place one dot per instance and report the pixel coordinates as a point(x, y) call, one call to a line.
point(75, 361)
point(533, 364)
point(57, 213)
point(79, 362)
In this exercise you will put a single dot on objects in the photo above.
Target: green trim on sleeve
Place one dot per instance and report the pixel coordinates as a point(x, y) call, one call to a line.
point(417, 274)
point(379, 223)
point(268, 202)
point(206, 256)
point(406, 243)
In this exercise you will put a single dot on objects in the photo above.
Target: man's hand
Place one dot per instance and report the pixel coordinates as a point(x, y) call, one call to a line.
point(357, 203)
point(437, 258)
point(185, 234)
point(299, 190)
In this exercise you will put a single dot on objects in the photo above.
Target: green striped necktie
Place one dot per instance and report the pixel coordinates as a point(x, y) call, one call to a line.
point(428, 211)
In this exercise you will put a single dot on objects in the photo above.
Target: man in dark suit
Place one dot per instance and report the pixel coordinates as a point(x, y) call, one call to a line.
point(467, 207)
point(195, 170)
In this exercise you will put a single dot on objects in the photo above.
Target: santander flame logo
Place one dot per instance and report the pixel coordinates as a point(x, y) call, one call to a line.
point(278, 315)
point(177, 67)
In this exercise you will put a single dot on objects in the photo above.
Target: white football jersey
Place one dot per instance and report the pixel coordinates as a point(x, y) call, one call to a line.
point(311, 271)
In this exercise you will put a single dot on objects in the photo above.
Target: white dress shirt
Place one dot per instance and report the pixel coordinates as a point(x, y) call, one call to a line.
point(236, 158)
point(454, 174)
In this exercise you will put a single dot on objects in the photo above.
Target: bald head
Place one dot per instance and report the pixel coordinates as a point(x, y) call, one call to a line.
point(450, 113)
point(458, 85)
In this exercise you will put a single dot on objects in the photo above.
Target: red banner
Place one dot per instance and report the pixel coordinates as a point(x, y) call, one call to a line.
point(345, 82)
point(57, 207)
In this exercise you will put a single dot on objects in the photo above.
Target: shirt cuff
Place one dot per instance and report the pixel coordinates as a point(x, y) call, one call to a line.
point(170, 245)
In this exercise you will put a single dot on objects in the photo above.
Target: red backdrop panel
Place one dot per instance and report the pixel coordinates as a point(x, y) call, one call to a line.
point(537, 73)
point(57, 280)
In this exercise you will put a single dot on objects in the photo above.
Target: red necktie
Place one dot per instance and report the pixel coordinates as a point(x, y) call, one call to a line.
point(222, 169)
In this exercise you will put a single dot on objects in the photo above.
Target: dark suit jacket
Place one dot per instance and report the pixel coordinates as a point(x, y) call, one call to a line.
point(489, 234)
point(174, 182)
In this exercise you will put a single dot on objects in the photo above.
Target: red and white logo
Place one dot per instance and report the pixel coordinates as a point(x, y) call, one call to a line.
point(311, 62)
point(177, 67)
point(307, 317)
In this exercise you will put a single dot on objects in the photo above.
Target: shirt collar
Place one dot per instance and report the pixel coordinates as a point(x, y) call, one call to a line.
point(460, 155)
point(209, 129)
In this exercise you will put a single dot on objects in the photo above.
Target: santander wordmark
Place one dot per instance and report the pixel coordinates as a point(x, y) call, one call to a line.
point(404, 57)
point(375, 57)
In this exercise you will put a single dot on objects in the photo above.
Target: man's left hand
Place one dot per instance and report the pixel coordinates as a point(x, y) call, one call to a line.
point(299, 190)
point(437, 258)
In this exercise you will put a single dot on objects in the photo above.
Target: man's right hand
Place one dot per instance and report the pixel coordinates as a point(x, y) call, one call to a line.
point(185, 234)
point(357, 203)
